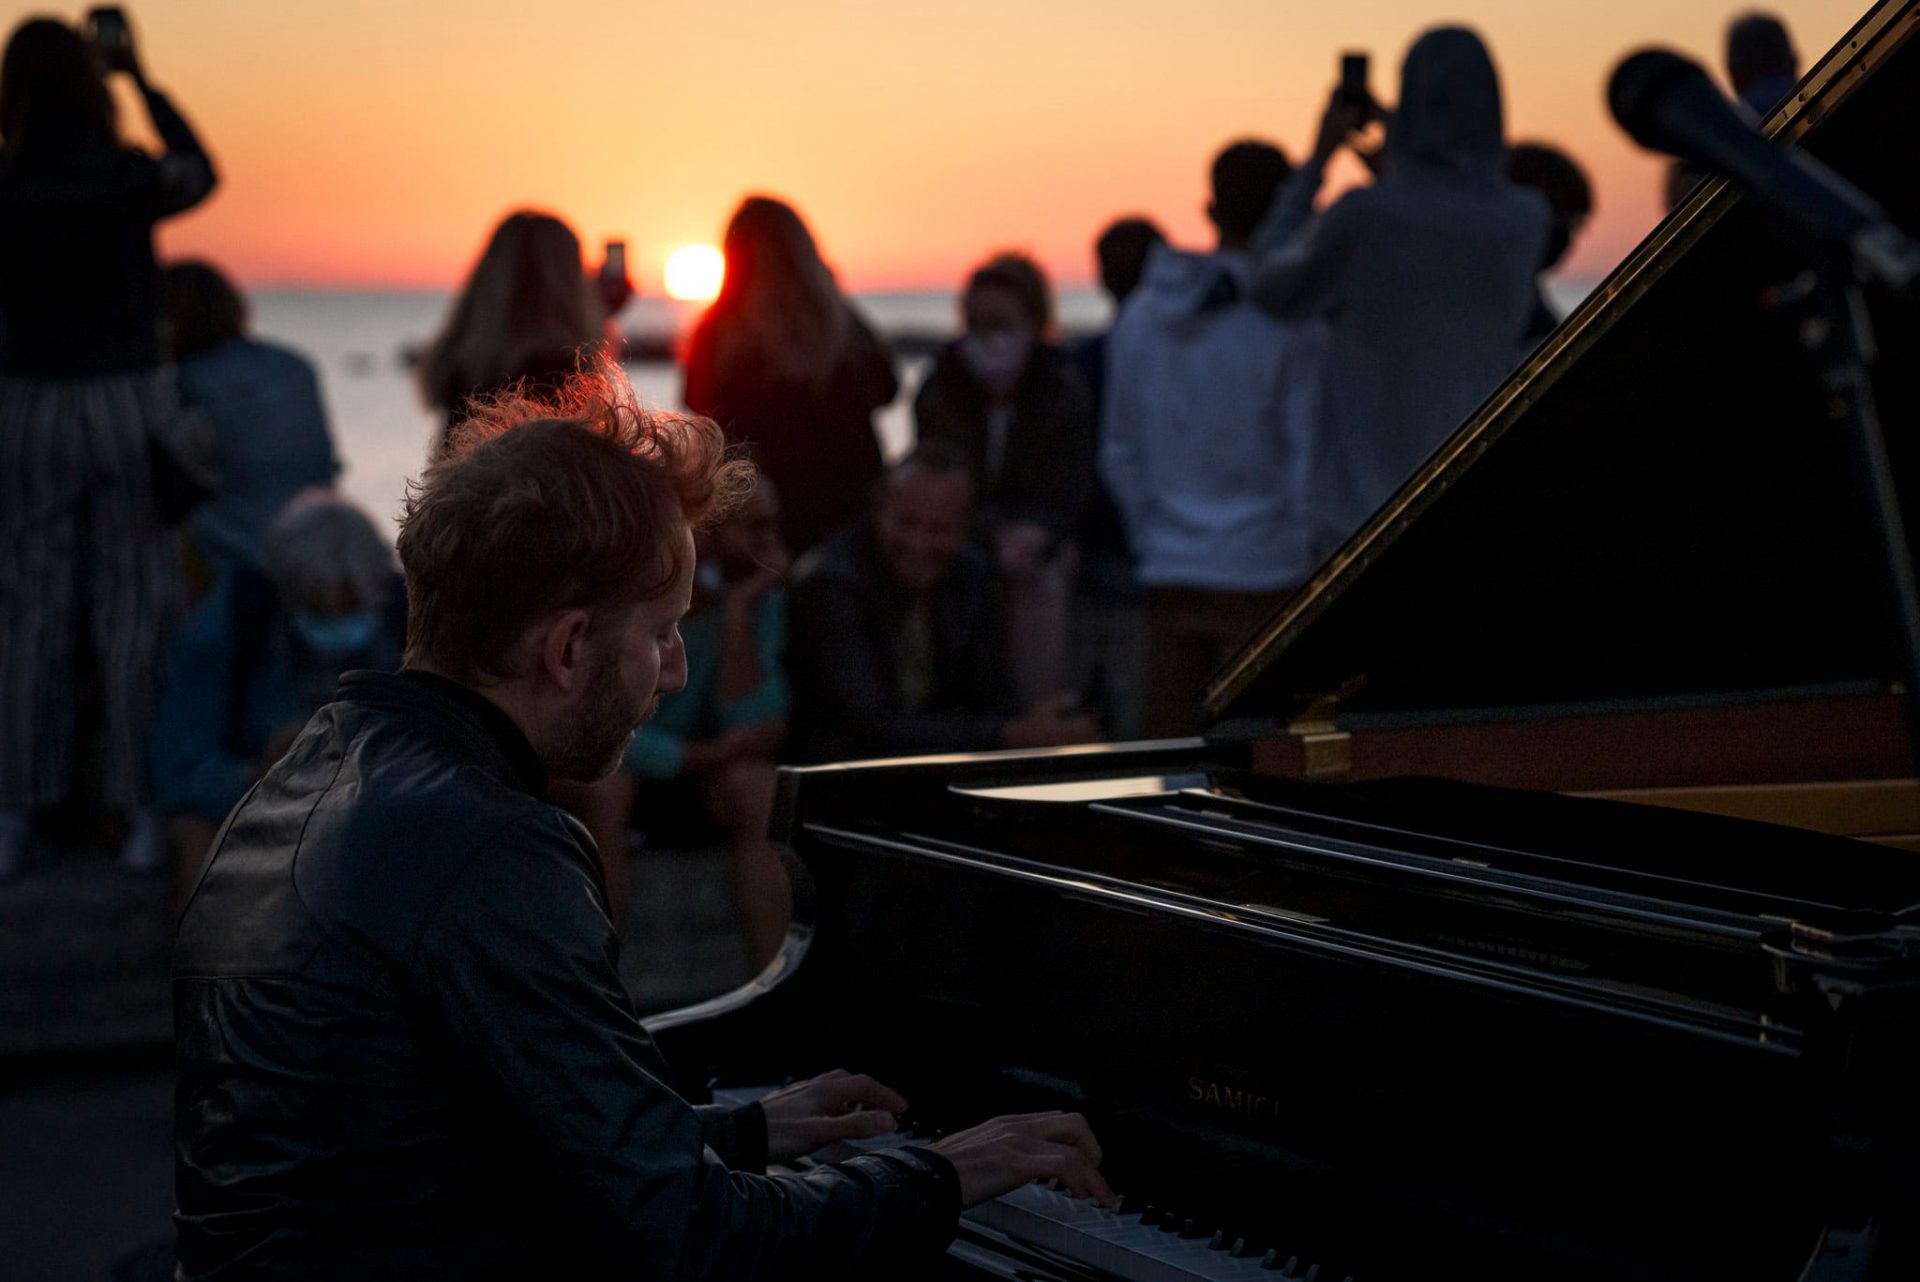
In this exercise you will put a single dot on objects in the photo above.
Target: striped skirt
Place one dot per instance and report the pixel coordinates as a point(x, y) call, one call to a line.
point(89, 585)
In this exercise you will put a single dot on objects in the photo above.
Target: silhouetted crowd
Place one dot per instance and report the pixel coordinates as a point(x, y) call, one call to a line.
point(1080, 535)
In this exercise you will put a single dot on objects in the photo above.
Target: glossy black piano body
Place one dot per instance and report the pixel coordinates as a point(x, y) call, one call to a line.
point(1364, 977)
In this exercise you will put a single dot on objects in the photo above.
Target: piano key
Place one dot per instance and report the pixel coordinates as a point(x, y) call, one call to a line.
point(1082, 1230)
point(1135, 1241)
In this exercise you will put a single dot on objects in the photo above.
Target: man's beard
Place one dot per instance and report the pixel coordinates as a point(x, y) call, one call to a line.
point(590, 741)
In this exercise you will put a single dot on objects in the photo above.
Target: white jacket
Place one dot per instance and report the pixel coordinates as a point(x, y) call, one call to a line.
point(1208, 407)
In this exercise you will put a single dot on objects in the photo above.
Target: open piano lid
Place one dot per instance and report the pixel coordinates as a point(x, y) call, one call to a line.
point(1655, 506)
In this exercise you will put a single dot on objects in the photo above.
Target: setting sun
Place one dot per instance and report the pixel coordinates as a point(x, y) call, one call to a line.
point(694, 273)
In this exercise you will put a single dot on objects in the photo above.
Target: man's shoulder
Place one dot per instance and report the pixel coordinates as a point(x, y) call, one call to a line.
point(366, 827)
point(408, 781)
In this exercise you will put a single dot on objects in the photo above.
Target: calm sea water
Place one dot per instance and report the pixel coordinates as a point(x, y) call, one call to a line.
point(357, 340)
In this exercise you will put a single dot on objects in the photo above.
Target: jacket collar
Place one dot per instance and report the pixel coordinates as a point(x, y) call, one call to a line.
point(503, 750)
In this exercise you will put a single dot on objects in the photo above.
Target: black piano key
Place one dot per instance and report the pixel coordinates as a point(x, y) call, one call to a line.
point(1190, 1230)
point(1242, 1249)
point(1151, 1215)
point(1219, 1241)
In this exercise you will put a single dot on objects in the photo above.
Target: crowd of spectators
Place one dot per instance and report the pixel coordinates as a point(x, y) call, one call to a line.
point(1080, 534)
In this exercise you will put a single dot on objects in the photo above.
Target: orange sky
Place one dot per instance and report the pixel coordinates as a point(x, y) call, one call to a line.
point(375, 142)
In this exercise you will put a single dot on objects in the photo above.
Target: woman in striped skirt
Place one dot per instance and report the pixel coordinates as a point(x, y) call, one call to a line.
point(89, 572)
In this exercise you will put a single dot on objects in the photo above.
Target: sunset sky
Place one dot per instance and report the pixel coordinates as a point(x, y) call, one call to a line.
point(375, 142)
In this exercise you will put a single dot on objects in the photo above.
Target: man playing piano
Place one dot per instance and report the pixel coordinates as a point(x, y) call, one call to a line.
point(403, 1047)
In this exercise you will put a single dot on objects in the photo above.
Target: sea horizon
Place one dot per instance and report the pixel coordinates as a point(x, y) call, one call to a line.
point(361, 340)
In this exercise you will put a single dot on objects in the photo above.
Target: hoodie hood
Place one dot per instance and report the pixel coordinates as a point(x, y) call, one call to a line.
point(1186, 291)
point(1449, 115)
point(1210, 404)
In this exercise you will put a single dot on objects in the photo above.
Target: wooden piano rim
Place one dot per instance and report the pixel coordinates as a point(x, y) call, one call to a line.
point(1884, 811)
point(1839, 766)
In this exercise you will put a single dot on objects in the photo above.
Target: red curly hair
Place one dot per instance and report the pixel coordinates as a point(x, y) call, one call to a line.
point(543, 504)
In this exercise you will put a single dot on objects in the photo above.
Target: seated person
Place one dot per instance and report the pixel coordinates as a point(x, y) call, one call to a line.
point(261, 652)
point(706, 760)
point(262, 403)
point(404, 1049)
point(897, 634)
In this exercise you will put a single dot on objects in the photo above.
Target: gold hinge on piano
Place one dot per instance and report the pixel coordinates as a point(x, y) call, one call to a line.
point(1325, 749)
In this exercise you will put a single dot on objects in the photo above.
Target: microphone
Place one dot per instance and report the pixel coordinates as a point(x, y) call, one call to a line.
point(1666, 103)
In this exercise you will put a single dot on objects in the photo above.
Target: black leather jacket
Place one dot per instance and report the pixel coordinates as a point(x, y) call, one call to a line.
point(404, 1050)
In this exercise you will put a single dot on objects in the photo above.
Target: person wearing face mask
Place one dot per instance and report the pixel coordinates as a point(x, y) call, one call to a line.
point(261, 652)
point(1008, 399)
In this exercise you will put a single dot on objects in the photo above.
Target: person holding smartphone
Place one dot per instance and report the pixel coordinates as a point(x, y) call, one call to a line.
point(1425, 278)
point(88, 415)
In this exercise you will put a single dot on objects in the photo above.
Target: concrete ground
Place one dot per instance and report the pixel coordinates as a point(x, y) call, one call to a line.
point(86, 1174)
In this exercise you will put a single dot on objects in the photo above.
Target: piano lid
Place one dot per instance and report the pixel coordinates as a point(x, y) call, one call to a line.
point(1655, 504)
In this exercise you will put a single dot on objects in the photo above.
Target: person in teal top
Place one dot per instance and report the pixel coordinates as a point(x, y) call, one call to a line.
point(703, 766)
point(700, 725)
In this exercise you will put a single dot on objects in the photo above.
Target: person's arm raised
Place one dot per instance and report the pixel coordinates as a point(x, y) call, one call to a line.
point(185, 172)
point(1299, 259)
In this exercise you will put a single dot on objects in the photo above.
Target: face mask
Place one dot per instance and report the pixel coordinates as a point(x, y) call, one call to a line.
point(340, 635)
point(997, 357)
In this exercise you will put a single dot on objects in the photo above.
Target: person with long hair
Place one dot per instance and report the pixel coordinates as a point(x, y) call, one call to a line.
point(524, 326)
point(89, 416)
point(1425, 277)
point(787, 368)
point(526, 316)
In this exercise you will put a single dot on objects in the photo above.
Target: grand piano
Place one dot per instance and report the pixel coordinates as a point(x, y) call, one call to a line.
point(1544, 900)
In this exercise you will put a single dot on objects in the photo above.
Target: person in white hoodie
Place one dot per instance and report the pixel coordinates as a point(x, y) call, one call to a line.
point(1208, 404)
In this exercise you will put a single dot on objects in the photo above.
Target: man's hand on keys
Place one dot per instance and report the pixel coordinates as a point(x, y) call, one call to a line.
point(1000, 1155)
point(822, 1110)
